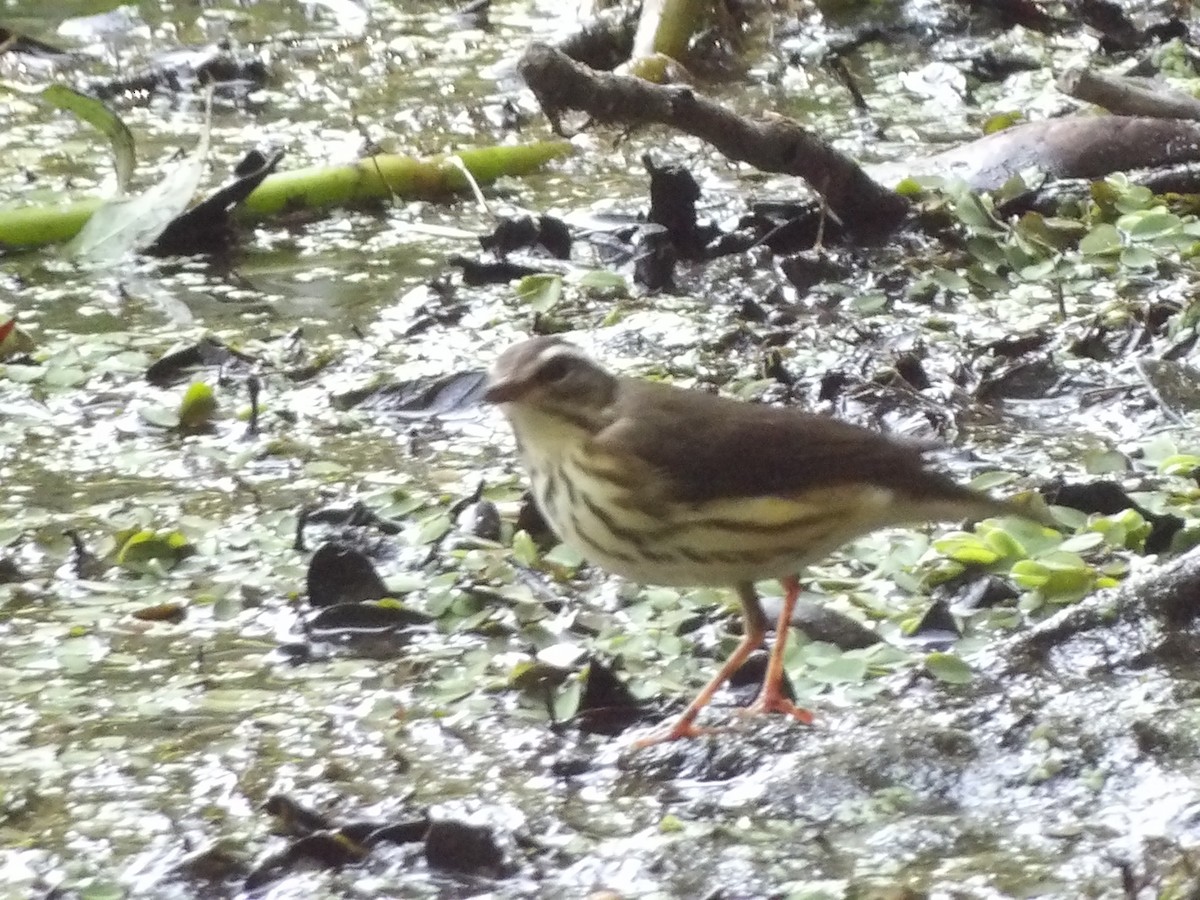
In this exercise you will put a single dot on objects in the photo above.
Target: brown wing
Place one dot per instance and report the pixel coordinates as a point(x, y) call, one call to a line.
point(733, 449)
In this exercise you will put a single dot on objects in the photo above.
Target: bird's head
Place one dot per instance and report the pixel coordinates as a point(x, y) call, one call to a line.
point(554, 378)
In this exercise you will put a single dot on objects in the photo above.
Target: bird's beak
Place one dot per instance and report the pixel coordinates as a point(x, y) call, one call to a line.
point(503, 390)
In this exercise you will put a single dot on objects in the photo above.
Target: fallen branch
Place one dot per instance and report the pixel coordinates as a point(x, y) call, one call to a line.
point(777, 144)
point(1125, 96)
point(313, 189)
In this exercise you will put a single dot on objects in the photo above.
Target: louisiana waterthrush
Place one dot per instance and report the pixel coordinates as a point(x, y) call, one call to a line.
point(668, 486)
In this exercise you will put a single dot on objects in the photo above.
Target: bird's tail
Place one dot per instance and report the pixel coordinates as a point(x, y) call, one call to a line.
point(940, 500)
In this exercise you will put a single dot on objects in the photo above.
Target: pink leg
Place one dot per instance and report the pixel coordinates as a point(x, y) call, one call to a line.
point(755, 631)
point(771, 698)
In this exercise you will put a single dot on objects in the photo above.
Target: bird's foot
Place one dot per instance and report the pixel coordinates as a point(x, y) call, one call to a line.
point(683, 727)
point(774, 702)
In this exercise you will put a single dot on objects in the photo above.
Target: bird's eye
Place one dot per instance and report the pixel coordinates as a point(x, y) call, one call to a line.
point(555, 369)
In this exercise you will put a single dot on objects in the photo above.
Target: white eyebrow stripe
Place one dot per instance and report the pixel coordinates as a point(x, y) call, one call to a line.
point(555, 350)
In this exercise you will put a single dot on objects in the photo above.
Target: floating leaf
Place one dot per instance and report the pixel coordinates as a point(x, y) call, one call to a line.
point(160, 416)
point(1079, 543)
point(948, 668)
point(434, 528)
point(870, 301)
point(599, 281)
point(986, 481)
point(534, 676)
point(950, 281)
point(1105, 462)
point(1003, 544)
point(566, 699)
point(1126, 530)
point(564, 556)
point(198, 407)
point(1184, 464)
point(1147, 224)
point(1001, 120)
point(1101, 240)
point(525, 550)
point(1058, 576)
point(968, 549)
point(841, 668)
point(144, 545)
point(970, 210)
point(541, 292)
point(1138, 258)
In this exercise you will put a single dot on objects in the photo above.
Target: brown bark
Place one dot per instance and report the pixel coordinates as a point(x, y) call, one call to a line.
point(775, 144)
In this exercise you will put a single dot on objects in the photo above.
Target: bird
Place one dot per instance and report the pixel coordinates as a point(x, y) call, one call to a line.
point(664, 485)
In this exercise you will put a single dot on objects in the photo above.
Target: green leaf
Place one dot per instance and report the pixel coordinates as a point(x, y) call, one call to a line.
point(541, 292)
point(1147, 224)
point(1158, 448)
point(1184, 464)
point(1003, 544)
point(599, 281)
point(525, 551)
point(1126, 530)
point(64, 376)
point(1102, 240)
point(670, 824)
point(950, 281)
point(841, 668)
point(104, 120)
point(1058, 576)
point(1058, 229)
point(566, 699)
point(1001, 120)
point(1138, 258)
point(103, 889)
point(1105, 462)
point(1082, 542)
point(985, 249)
point(433, 528)
point(564, 556)
point(198, 407)
point(144, 545)
point(970, 210)
point(1038, 271)
point(870, 302)
point(967, 549)
point(948, 668)
point(1131, 197)
point(989, 281)
point(987, 481)
point(1034, 538)
point(531, 675)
